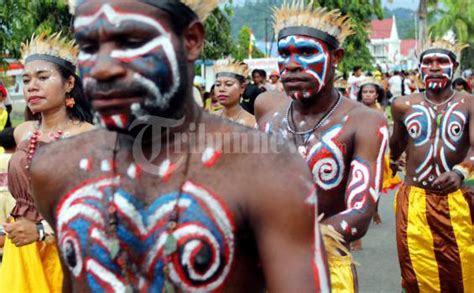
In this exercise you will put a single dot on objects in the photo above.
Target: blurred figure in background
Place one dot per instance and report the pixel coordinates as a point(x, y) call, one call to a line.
point(460, 85)
point(275, 83)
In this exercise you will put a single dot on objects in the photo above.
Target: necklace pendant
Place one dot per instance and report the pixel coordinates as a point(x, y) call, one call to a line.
point(302, 150)
point(114, 247)
point(171, 245)
point(169, 288)
point(129, 289)
point(438, 119)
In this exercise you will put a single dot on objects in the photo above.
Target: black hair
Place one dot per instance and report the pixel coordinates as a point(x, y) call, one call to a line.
point(460, 81)
point(7, 140)
point(180, 14)
point(356, 68)
point(260, 72)
point(380, 94)
point(82, 109)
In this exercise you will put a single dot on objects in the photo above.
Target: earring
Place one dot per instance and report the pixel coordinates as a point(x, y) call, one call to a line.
point(69, 101)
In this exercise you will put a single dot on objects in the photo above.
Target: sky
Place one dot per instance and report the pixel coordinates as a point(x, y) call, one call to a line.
point(412, 4)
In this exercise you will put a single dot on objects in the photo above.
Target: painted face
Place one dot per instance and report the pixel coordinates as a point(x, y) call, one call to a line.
point(436, 70)
point(228, 91)
point(369, 94)
point(128, 56)
point(44, 88)
point(304, 65)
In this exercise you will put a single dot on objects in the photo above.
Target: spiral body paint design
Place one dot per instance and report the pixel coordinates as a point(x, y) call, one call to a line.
point(326, 160)
point(421, 126)
point(204, 234)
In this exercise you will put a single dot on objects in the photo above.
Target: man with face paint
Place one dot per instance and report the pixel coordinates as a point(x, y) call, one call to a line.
point(434, 211)
point(178, 218)
point(342, 141)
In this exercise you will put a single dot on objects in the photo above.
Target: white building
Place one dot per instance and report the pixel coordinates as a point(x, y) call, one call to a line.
point(388, 50)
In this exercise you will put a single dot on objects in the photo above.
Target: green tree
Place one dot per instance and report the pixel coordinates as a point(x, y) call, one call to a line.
point(241, 50)
point(218, 43)
point(361, 12)
point(19, 19)
point(456, 16)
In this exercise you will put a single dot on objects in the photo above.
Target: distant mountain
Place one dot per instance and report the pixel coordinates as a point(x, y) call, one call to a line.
point(405, 21)
point(257, 14)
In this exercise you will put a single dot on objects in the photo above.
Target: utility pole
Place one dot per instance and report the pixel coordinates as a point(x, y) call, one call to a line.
point(423, 22)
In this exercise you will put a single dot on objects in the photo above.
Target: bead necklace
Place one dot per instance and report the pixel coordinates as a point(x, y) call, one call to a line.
point(33, 143)
point(302, 149)
point(232, 119)
point(171, 243)
point(326, 116)
point(435, 107)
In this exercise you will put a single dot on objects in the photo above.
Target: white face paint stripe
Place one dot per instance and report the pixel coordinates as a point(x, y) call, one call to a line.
point(380, 158)
point(115, 18)
point(106, 276)
point(426, 161)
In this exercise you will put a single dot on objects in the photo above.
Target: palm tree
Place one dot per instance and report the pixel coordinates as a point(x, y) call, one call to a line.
point(457, 16)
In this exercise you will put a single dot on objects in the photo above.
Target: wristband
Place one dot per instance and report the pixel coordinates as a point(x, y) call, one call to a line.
point(461, 171)
point(40, 229)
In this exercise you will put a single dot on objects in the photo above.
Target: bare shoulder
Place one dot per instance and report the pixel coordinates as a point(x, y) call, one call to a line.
point(269, 102)
point(59, 155)
point(359, 112)
point(404, 103)
point(22, 130)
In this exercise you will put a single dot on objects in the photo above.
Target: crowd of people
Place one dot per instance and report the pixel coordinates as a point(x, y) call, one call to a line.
point(124, 179)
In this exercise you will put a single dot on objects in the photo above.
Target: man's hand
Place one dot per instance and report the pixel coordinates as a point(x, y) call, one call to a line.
point(447, 182)
point(22, 232)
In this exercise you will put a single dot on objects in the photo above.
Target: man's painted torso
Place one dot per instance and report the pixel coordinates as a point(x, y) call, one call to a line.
point(329, 153)
point(438, 137)
point(201, 252)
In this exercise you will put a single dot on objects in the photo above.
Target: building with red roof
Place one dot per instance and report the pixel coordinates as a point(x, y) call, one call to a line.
point(386, 47)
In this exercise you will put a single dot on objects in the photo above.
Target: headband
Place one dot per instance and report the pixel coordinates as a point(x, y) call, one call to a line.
point(53, 59)
point(239, 77)
point(439, 50)
point(310, 32)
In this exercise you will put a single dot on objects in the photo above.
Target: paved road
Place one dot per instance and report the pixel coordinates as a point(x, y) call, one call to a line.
point(378, 268)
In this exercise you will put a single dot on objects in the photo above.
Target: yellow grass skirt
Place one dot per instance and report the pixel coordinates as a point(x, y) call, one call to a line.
point(31, 268)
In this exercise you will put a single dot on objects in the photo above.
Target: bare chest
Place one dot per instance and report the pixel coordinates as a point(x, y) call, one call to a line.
point(326, 149)
point(132, 229)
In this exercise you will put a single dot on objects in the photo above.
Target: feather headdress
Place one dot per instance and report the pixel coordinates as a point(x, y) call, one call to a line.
point(299, 14)
point(443, 45)
point(231, 66)
point(49, 49)
point(202, 8)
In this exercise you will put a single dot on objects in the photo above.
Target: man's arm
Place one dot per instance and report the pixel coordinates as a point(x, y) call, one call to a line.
point(45, 191)
point(282, 217)
point(452, 180)
point(365, 179)
point(399, 138)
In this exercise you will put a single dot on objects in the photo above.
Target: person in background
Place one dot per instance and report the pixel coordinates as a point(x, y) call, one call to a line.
point(229, 87)
point(275, 83)
point(354, 81)
point(395, 85)
point(52, 90)
point(253, 90)
point(4, 114)
point(6, 104)
point(7, 202)
point(341, 85)
point(460, 85)
point(434, 208)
